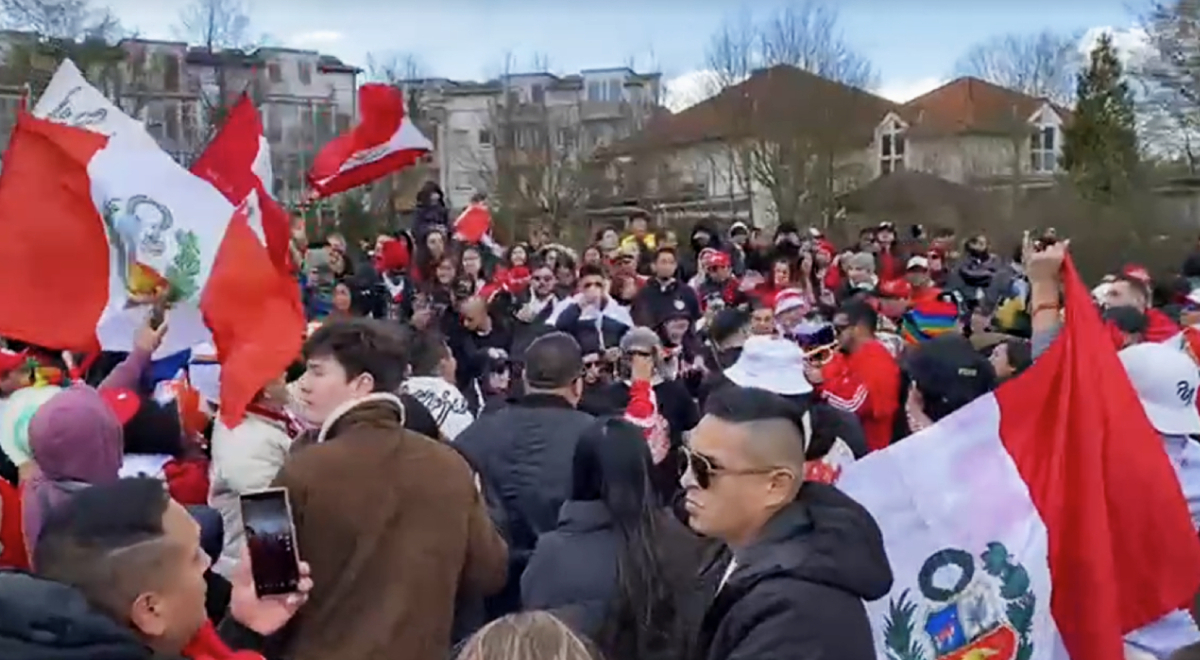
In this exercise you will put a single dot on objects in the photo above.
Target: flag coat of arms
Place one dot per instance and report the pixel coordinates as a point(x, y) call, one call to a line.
point(100, 225)
point(1043, 521)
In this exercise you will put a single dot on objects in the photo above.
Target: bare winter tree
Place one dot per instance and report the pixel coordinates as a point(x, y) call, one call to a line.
point(788, 86)
point(1169, 76)
point(1042, 64)
point(223, 30)
point(59, 19)
point(217, 25)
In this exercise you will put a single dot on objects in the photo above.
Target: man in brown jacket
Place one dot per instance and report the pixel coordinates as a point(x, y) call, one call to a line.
point(390, 521)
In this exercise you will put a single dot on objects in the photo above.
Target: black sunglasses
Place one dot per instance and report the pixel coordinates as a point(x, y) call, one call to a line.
point(705, 469)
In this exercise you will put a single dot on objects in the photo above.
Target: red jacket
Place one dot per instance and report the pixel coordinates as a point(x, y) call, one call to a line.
point(12, 538)
point(867, 383)
point(1159, 326)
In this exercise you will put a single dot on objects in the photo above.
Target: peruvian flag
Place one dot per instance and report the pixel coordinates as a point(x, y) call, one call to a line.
point(1041, 521)
point(385, 141)
point(98, 225)
point(237, 162)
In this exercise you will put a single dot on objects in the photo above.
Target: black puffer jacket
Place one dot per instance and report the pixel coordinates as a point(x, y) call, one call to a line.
point(798, 593)
point(45, 620)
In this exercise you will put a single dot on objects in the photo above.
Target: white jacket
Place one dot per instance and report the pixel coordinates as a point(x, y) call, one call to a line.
point(244, 459)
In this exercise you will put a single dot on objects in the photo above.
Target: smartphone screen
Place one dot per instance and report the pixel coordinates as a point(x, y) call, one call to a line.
point(271, 540)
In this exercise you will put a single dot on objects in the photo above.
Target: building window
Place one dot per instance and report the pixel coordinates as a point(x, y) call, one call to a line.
point(614, 91)
point(275, 72)
point(274, 124)
point(539, 94)
point(595, 91)
point(304, 69)
point(485, 137)
point(191, 124)
point(1043, 150)
point(891, 148)
point(171, 119)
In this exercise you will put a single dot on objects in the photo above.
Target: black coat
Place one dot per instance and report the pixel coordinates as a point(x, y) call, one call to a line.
point(574, 572)
point(656, 301)
point(525, 451)
point(798, 593)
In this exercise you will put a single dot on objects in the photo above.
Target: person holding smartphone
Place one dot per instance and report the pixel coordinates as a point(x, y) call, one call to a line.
point(391, 521)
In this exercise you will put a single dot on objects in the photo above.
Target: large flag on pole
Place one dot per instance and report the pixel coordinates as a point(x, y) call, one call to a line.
point(384, 141)
point(1042, 521)
point(99, 224)
point(237, 162)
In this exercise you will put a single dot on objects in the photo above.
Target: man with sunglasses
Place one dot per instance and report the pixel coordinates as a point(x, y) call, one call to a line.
point(799, 558)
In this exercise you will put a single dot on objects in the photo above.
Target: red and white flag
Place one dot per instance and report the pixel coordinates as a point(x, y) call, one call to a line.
point(385, 141)
point(96, 226)
point(237, 162)
point(1041, 521)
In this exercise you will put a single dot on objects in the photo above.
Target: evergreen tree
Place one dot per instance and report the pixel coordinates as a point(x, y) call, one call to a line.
point(1100, 146)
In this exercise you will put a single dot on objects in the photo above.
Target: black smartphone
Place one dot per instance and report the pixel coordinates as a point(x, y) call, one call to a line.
point(271, 539)
point(158, 314)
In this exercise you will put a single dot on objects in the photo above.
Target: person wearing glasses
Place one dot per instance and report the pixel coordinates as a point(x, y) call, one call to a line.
point(800, 558)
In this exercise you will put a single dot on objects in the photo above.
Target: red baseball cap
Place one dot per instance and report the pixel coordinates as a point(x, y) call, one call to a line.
point(124, 403)
point(11, 360)
point(717, 259)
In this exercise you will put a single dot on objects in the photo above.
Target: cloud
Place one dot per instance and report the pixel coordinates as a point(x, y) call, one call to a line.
point(316, 38)
point(688, 89)
point(903, 91)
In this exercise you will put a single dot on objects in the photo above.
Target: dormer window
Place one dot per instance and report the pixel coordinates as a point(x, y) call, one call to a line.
point(891, 148)
point(1043, 149)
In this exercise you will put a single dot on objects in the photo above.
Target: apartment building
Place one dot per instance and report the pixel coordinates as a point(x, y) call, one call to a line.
point(179, 91)
point(535, 122)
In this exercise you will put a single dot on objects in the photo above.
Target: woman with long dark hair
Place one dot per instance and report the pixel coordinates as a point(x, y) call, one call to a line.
point(618, 568)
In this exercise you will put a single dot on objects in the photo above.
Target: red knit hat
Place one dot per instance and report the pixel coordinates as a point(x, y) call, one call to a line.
point(393, 255)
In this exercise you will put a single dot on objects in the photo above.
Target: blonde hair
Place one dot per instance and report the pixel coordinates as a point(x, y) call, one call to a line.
point(527, 636)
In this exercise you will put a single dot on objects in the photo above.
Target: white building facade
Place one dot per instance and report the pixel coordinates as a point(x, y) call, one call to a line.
point(575, 114)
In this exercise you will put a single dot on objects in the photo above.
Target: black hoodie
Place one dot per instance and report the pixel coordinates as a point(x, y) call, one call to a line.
point(798, 592)
point(45, 620)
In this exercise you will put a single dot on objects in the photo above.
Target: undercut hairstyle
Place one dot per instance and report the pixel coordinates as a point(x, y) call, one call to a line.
point(426, 351)
point(553, 361)
point(363, 346)
point(778, 422)
point(107, 542)
point(860, 312)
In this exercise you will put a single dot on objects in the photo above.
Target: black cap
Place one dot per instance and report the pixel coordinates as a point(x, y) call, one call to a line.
point(949, 373)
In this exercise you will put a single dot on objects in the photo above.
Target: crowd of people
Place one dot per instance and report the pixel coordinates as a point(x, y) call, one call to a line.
point(531, 452)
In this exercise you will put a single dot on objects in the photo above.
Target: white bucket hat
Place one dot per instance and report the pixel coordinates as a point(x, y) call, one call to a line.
point(1166, 381)
point(775, 365)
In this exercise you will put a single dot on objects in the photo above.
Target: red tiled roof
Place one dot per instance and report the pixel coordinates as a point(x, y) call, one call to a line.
point(779, 98)
point(971, 105)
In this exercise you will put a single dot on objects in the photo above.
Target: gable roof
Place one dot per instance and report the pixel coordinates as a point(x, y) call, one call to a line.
point(971, 105)
point(782, 95)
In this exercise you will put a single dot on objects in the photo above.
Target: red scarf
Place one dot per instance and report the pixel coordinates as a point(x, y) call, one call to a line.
point(293, 426)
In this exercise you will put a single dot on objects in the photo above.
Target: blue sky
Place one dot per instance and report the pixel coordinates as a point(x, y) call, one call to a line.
point(913, 43)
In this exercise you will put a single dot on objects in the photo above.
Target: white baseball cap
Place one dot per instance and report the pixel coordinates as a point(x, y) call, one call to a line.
point(773, 364)
point(1166, 381)
point(917, 262)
